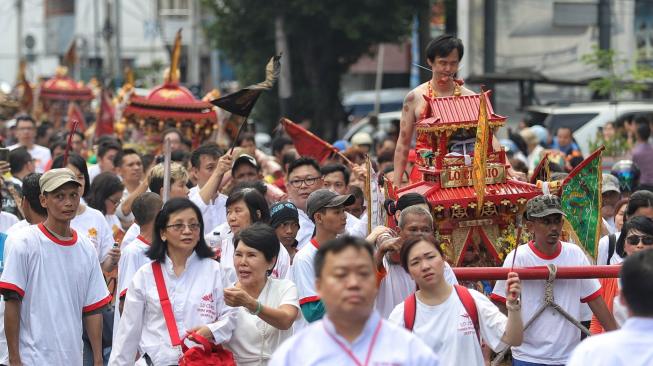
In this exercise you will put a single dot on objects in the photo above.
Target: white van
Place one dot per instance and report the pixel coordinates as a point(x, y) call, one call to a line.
point(584, 119)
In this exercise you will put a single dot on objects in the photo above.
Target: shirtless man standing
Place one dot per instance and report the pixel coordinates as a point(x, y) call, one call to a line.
point(443, 55)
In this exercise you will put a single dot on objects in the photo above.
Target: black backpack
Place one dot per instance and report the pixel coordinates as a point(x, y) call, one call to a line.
point(612, 241)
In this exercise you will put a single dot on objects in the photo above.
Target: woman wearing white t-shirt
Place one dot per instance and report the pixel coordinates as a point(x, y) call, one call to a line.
point(246, 206)
point(267, 307)
point(441, 319)
point(105, 196)
point(194, 285)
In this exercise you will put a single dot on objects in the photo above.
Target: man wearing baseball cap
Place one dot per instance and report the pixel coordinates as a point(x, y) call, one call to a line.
point(610, 195)
point(544, 219)
point(327, 210)
point(42, 328)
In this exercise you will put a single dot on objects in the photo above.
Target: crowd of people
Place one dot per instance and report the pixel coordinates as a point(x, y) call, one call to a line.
point(270, 256)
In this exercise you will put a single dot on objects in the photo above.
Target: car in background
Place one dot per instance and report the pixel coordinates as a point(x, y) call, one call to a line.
point(585, 119)
point(359, 104)
point(364, 125)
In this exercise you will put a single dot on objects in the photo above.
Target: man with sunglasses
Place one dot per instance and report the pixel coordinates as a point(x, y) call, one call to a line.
point(550, 339)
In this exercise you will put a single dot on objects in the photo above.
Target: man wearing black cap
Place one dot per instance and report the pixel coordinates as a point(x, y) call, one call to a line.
point(327, 210)
point(284, 218)
point(544, 220)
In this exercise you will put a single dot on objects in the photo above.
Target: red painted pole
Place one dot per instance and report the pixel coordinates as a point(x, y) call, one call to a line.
point(535, 273)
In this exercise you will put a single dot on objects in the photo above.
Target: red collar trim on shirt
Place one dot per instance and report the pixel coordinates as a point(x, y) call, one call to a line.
point(141, 238)
point(315, 243)
point(57, 241)
point(539, 253)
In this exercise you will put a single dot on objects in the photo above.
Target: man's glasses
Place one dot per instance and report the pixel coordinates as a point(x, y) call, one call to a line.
point(308, 181)
point(181, 227)
point(636, 239)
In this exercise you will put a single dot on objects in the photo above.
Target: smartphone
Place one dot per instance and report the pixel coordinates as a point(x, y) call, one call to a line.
point(4, 154)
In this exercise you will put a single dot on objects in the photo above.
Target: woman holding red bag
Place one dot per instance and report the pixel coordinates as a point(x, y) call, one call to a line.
point(181, 293)
point(267, 307)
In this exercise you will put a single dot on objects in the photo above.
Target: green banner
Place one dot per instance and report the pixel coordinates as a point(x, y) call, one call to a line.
point(581, 202)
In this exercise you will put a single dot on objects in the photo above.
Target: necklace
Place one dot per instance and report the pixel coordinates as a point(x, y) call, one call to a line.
point(456, 90)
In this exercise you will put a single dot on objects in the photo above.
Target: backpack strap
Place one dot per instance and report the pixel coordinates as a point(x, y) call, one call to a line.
point(410, 310)
point(470, 307)
point(169, 316)
point(612, 241)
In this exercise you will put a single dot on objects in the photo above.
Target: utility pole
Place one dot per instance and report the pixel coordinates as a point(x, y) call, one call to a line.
point(19, 32)
point(96, 41)
point(107, 33)
point(490, 42)
point(285, 81)
point(604, 24)
point(193, 71)
point(117, 72)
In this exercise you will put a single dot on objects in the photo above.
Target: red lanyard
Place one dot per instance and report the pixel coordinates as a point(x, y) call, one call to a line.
point(348, 350)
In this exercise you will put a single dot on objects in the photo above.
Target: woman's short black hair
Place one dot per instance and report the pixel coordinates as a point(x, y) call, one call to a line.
point(411, 242)
point(104, 186)
point(254, 202)
point(159, 248)
point(443, 45)
point(79, 163)
point(640, 223)
point(261, 237)
point(639, 199)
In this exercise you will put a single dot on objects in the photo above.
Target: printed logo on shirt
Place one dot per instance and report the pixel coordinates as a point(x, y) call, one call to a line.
point(206, 307)
point(92, 233)
point(466, 325)
point(387, 364)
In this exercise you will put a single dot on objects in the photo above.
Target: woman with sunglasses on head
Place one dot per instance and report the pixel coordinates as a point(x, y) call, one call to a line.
point(246, 206)
point(105, 195)
point(267, 307)
point(194, 285)
point(452, 320)
point(636, 234)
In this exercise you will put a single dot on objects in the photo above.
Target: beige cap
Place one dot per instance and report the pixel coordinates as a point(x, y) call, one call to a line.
point(55, 178)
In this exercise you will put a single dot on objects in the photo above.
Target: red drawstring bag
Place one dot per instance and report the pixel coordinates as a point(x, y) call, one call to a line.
point(207, 355)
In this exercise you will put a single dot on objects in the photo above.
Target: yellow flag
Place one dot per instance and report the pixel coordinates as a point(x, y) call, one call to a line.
point(480, 153)
point(174, 59)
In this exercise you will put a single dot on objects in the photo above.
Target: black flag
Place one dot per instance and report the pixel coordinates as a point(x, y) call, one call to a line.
point(242, 102)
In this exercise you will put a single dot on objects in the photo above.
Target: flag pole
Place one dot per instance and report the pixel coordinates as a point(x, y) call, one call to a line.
point(166, 170)
point(240, 131)
point(73, 128)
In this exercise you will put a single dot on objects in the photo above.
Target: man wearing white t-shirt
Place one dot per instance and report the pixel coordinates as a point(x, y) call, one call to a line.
point(38, 269)
point(209, 168)
point(630, 345)
point(26, 134)
point(304, 178)
point(395, 284)
point(550, 339)
point(134, 256)
point(351, 333)
point(327, 211)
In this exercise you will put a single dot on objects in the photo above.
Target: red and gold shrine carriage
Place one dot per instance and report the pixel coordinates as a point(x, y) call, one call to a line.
point(168, 105)
point(469, 236)
point(55, 94)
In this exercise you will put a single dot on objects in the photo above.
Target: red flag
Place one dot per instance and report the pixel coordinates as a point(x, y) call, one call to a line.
point(306, 143)
point(75, 114)
point(106, 112)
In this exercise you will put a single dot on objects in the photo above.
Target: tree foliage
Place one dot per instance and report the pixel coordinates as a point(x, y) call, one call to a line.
point(614, 82)
point(324, 39)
